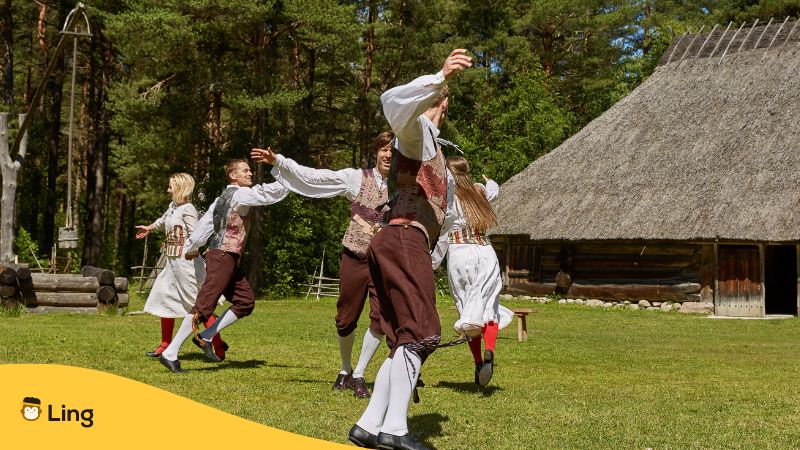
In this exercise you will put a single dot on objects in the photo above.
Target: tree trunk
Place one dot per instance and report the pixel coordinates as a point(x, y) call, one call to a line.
point(119, 223)
point(97, 153)
point(55, 86)
point(366, 109)
point(8, 57)
point(9, 169)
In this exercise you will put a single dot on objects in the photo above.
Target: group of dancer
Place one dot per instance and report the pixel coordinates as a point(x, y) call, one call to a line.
point(409, 211)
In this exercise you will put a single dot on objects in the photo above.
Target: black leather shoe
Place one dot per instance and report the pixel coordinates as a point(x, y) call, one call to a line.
point(362, 437)
point(196, 342)
point(173, 366)
point(405, 442)
point(156, 352)
point(487, 369)
point(477, 372)
point(208, 349)
point(359, 387)
point(341, 381)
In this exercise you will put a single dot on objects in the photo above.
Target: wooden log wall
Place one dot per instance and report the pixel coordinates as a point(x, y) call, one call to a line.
point(656, 271)
point(97, 287)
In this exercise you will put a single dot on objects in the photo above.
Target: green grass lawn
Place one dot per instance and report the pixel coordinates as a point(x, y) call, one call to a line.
point(586, 378)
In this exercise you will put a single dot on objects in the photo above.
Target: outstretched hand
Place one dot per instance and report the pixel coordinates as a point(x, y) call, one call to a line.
point(456, 62)
point(144, 230)
point(485, 178)
point(261, 155)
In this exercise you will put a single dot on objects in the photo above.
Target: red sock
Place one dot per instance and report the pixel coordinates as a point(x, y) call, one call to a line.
point(167, 326)
point(216, 341)
point(490, 331)
point(475, 348)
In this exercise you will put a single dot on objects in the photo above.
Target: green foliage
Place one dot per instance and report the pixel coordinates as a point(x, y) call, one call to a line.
point(27, 249)
point(12, 310)
point(297, 234)
point(512, 128)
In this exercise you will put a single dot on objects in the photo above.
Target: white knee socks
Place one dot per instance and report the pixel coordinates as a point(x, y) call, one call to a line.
point(227, 318)
point(402, 379)
point(185, 330)
point(371, 343)
point(345, 349)
point(372, 419)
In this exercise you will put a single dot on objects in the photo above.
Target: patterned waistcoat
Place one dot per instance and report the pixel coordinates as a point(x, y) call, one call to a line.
point(173, 244)
point(418, 193)
point(366, 212)
point(230, 229)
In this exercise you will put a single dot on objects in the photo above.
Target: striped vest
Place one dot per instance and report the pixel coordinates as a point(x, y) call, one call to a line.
point(173, 244)
point(366, 212)
point(418, 193)
point(230, 229)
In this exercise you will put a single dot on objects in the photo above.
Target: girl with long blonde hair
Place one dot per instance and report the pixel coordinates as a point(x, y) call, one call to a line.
point(472, 266)
point(175, 289)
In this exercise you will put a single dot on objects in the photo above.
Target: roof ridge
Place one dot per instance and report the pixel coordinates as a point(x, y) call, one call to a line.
point(686, 47)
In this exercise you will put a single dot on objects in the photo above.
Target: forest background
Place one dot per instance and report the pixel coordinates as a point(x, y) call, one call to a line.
point(168, 86)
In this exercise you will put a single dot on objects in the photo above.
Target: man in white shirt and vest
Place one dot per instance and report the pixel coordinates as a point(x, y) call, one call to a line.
point(399, 255)
point(366, 189)
point(226, 223)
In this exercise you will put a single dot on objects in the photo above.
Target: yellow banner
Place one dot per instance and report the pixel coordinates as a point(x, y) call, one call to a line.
point(52, 406)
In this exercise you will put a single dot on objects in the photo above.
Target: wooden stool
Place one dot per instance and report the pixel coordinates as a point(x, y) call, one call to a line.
point(522, 324)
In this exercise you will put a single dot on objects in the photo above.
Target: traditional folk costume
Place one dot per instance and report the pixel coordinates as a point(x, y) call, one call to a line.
point(400, 261)
point(475, 281)
point(225, 223)
point(366, 190)
point(175, 288)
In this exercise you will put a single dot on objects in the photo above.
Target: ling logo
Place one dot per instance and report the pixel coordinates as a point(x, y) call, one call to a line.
point(32, 410)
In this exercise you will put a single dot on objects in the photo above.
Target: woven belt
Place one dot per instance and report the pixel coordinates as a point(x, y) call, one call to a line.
point(465, 236)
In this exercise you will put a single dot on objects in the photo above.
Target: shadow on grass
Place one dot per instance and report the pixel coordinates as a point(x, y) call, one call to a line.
point(470, 388)
point(251, 364)
point(426, 426)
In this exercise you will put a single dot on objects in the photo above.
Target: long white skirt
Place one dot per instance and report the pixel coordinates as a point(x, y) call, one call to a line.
point(475, 282)
point(175, 289)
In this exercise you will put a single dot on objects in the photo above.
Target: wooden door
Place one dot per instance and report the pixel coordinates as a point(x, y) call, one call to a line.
point(740, 281)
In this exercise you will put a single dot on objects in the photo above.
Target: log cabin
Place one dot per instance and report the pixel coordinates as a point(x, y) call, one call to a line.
point(688, 189)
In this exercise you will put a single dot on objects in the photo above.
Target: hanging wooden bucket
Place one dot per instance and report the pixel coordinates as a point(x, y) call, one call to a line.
point(68, 237)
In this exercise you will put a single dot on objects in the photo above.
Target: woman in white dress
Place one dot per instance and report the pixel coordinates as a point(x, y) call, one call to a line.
point(472, 266)
point(175, 289)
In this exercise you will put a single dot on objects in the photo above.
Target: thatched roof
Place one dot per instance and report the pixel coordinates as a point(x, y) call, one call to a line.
point(707, 147)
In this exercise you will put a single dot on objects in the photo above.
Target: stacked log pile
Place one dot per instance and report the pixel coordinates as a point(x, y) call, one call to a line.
point(94, 287)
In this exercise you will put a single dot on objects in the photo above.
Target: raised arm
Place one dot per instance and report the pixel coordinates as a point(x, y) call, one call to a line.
point(316, 183)
point(490, 190)
point(259, 195)
point(404, 104)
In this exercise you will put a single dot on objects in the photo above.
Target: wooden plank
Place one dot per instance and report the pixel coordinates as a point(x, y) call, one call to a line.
point(63, 283)
point(66, 299)
point(105, 277)
point(641, 248)
point(121, 284)
point(685, 292)
point(706, 273)
point(530, 288)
